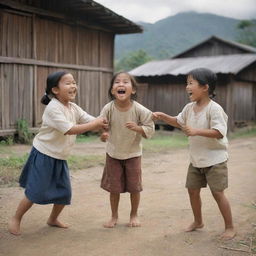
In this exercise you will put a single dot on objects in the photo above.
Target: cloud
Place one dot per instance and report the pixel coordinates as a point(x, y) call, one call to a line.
point(154, 10)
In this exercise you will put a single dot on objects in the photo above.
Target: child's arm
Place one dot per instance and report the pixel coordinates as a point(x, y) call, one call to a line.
point(137, 128)
point(210, 133)
point(98, 123)
point(171, 120)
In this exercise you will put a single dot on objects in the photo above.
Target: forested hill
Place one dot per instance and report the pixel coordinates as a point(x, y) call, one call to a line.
point(176, 33)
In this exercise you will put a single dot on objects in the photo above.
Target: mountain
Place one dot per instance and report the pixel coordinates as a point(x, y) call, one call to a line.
point(175, 34)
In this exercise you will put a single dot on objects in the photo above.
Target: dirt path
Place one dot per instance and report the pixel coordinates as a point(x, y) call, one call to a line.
point(164, 212)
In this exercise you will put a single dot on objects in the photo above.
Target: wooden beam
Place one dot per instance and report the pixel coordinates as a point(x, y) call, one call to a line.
point(13, 60)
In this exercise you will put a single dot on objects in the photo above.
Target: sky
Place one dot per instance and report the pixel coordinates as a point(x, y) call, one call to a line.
point(153, 10)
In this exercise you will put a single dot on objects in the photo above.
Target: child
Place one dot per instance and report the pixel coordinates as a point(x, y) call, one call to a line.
point(205, 124)
point(45, 176)
point(128, 122)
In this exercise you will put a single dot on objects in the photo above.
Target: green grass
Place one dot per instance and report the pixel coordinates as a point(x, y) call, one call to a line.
point(10, 169)
point(86, 138)
point(243, 133)
point(163, 141)
point(83, 162)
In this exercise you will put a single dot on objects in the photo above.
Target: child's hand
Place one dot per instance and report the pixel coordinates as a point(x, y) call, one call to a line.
point(101, 123)
point(104, 136)
point(156, 116)
point(132, 126)
point(189, 131)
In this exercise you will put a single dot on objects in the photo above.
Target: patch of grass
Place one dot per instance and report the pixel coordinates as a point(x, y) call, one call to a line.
point(10, 168)
point(76, 162)
point(83, 138)
point(161, 142)
point(243, 133)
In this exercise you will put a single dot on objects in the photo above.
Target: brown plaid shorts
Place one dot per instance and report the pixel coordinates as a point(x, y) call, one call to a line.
point(120, 176)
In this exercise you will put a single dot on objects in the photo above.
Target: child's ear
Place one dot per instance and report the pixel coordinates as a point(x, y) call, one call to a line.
point(55, 90)
point(206, 87)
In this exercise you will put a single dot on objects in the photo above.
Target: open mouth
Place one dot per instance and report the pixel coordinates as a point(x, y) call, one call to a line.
point(190, 94)
point(121, 91)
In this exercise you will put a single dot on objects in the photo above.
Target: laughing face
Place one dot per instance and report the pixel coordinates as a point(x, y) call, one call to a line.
point(66, 90)
point(122, 88)
point(196, 92)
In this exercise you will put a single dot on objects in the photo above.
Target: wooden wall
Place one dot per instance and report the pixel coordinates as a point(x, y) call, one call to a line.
point(31, 47)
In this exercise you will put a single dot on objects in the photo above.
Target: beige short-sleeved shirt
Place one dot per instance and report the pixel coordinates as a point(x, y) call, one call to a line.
point(205, 152)
point(124, 143)
point(56, 121)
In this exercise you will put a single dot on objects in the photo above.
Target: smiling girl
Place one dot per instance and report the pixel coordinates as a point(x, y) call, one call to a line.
point(45, 176)
point(205, 123)
point(128, 122)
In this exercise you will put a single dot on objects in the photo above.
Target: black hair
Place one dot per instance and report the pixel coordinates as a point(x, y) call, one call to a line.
point(205, 76)
point(51, 82)
point(134, 85)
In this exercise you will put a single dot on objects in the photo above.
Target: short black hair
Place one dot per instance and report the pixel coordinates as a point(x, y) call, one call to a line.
point(205, 76)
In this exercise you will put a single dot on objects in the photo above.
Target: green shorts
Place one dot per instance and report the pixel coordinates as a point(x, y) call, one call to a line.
point(215, 176)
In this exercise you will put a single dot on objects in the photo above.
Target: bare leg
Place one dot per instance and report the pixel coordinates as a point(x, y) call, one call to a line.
point(53, 218)
point(114, 202)
point(225, 210)
point(196, 204)
point(135, 200)
point(14, 224)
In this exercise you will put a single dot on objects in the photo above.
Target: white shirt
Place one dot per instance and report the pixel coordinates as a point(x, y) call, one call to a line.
point(204, 151)
point(56, 121)
point(124, 143)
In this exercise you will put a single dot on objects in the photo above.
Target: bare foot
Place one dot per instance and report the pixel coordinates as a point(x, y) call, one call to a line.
point(111, 223)
point(56, 223)
point(194, 226)
point(229, 233)
point(14, 226)
point(134, 222)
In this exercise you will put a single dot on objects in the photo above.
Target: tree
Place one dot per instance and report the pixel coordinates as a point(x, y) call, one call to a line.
point(247, 32)
point(132, 60)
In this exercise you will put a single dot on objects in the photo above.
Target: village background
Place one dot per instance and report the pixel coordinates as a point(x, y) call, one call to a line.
point(92, 42)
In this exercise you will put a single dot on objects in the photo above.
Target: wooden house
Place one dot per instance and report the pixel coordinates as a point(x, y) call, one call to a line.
point(38, 37)
point(162, 83)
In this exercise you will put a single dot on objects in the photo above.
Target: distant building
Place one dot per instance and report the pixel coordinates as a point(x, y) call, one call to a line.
point(162, 83)
point(42, 36)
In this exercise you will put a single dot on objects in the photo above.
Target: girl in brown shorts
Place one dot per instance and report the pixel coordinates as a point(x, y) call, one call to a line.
point(128, 122)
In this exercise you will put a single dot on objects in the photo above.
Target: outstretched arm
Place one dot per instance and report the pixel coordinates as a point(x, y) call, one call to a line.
point(171, 120)
point(96, 124)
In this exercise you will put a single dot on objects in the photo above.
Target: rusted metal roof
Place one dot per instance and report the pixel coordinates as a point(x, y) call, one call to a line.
point(224, 64)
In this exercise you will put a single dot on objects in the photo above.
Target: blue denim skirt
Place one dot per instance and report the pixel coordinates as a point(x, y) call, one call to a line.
point(45, 179)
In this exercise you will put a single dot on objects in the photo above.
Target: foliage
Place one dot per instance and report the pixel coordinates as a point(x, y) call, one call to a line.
point(24, 135)
point(247, 32)
point(132, 60)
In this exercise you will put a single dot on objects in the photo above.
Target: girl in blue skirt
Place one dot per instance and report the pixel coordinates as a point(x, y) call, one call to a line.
point(45, 176)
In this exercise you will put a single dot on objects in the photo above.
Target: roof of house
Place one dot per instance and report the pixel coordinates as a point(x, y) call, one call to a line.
point(224, 64)
point(87, 10)
point(246, 48)
point(96, 11)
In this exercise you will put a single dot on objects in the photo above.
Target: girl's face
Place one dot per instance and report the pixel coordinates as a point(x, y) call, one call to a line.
point(196, 91)
point(66, 90)
point(122, 88)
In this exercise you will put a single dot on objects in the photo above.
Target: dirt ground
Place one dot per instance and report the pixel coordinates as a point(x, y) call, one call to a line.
point(164, 212)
